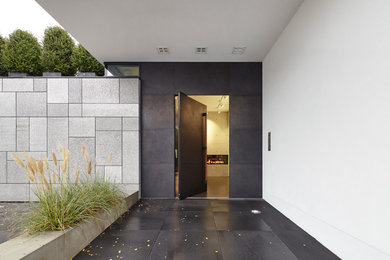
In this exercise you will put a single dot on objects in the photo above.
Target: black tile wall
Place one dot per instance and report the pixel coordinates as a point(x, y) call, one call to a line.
point(243, 112)
point(157, 180)
point(245, 180)
point(161, 81)
point(158, 111)
point(158, 146)
point(244, 146)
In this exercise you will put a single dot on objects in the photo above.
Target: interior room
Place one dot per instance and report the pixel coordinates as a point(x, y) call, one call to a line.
point(217, 156)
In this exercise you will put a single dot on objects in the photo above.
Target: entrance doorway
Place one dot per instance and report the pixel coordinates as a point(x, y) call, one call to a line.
point(202, 146)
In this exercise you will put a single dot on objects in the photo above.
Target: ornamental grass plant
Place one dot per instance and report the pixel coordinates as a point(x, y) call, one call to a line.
point(66, 196)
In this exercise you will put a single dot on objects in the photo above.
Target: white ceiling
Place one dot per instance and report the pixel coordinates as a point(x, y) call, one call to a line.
point(130, 30)
point(213, 101)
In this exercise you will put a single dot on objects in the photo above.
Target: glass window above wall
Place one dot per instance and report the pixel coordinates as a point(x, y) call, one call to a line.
point(123, 70)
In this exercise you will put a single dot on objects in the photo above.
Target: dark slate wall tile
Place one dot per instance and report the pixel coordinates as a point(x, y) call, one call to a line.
point(245, 146)
point(245, 112)
point(246, 78)
point(158, 146)
point(157, 78)
point(157, 180)
point(245, 181)
point(202, 78)
point(158, 111)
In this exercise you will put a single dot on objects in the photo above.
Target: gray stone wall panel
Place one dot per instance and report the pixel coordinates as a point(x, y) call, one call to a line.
point(18, 84)
point(110, 110)
point(7, 104)
point(7, 134)
point(57, 133)
point(109, 123)
point(101, 91)
point(109, 142)
point(131, 158)
point(16, 174)
point(14, 192)
point(3, 167)
point(75, 91)
point(74, 110)
point(57, 90)
point(38, 134)
point(56, 110)
point(76, 157)
point(81, 127)
point(131, 124)
point(31, 104)
point(129, 91)
point(23, 134)
point(36, 114)
point(40, 84)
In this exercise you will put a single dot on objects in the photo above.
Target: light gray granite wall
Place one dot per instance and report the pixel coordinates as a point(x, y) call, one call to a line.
point(38, 113)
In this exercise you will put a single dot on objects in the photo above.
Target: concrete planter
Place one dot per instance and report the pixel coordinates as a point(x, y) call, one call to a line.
point(86, 74)
point(51, 74)
point(59, 245)
point(17, 74)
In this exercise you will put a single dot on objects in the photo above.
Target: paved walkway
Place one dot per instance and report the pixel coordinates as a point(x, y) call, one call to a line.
point(204, 229)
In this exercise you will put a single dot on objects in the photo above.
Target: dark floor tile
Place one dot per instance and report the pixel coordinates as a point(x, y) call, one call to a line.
point(186, 245)
point(239, 221)
point(141, 221)
point(158, 205)
point(115, 244)
point(229, 206)
point(189, 220)
point(304, 246)
point(253, 245)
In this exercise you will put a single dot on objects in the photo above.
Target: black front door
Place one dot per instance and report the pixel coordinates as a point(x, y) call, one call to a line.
point(191, 146)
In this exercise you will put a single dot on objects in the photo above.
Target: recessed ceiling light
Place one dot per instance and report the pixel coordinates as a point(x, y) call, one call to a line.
point(201, 50)
point(238, 50)
point(162, 50)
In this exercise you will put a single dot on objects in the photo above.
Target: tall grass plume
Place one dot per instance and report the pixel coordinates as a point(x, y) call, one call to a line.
point(65, 197)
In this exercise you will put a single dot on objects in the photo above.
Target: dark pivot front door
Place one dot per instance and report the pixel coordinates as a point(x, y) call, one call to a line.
point(191, 146)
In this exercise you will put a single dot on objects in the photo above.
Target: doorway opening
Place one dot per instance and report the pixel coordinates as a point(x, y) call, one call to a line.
point(215, 128)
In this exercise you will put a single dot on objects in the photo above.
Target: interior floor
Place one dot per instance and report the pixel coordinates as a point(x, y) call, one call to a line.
point(217, 187)
point(205, 229)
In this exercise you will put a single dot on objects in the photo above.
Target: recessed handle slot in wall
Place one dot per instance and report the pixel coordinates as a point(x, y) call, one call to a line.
point(269, 141)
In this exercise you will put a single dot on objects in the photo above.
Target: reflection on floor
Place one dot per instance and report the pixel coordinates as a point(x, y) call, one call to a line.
point(217, 187)
point(205, 229)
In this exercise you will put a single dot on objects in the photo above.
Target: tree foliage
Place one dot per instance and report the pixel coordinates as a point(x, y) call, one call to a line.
point(23, 53)
point(3, 69)
point(58, 48)
point(85, 62)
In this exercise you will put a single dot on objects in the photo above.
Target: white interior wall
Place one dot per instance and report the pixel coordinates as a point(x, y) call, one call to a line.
point(327, 103)
point(217, 141)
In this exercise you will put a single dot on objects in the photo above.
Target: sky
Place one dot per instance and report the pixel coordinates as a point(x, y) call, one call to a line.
point(26, 15)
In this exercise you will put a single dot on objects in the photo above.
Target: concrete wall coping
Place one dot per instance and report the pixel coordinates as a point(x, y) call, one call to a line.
point(58, 245)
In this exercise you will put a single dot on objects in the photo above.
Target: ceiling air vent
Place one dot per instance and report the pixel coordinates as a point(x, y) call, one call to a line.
point(201, 50)
point(162, 50)
point(238, 50)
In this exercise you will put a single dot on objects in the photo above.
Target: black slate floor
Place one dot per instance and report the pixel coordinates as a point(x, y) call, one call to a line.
point(204, 229)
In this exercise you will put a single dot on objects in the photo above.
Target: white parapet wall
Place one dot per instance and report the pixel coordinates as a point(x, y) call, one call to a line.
point(38, 113)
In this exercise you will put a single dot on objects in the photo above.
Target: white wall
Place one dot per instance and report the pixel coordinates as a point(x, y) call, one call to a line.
point(327, 103)
point(217, 141)
point(218, 133)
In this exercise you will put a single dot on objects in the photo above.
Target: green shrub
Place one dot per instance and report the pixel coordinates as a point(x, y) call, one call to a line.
point(66, 196)
point(23, 53)
point(58, 48)
point(3, 69)
point(85, 62)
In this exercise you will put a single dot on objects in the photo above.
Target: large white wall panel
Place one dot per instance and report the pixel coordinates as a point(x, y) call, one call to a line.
point(327, 103)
